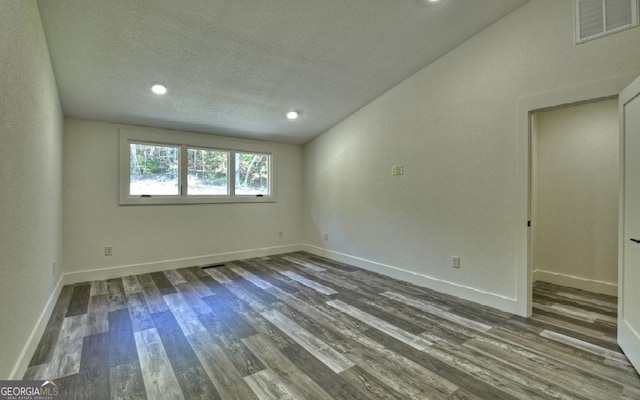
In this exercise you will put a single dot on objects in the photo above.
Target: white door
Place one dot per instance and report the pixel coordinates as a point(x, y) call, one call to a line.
point(629, 262)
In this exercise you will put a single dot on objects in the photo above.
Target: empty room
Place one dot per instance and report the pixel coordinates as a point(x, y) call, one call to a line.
point(337, 199)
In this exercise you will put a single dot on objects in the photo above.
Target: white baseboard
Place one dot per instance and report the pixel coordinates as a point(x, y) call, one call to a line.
point(143, 268)
point(464, 292)
point(590, 285)
point(36, 334)
point(629, 341)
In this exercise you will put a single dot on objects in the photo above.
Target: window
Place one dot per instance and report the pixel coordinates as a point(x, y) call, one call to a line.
point(252, 174)
point(172, 168)
point(153, 169)
point(207, 172)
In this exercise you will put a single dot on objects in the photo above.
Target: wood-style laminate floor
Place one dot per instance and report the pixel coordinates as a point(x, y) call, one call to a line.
point(582, 315)
point(301, 327)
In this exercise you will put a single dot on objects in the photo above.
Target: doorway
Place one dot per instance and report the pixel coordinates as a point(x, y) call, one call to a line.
point(586, 93)
point(574, 196)
point(574, 214)
point(627, 89)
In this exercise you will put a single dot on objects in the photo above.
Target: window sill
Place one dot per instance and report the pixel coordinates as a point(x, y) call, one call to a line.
point(175, 200)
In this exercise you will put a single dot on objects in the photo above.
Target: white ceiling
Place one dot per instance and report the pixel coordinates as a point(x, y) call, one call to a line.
point(235, 67)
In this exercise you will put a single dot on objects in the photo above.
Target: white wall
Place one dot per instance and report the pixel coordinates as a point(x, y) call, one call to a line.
point(167, 236)
point(30, 181)
point(453, 125)
point(576, 225)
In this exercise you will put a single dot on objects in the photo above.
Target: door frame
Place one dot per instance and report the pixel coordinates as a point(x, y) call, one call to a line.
point(586, 93)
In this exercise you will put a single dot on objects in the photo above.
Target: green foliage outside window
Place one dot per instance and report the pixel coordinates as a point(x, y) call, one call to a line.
point(252, 173)
point(152, 161)
point(155, 170)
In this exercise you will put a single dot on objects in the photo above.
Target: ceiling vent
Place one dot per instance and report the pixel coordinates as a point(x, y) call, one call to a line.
point(597, 18)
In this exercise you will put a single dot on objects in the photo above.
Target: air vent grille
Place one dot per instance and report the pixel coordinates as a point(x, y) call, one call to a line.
point(597, 18)
point(618, 13)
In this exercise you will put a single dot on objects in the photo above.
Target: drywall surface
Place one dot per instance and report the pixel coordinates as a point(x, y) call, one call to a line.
point(576, 225)
point(154, 234)
point(453, 126)
point(30, 177)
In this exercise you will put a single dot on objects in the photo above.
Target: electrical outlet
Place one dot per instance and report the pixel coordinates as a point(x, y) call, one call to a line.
point(108, 250)
point(455, 262)
point(281, 234)
point(397, 170)
point(326, 236)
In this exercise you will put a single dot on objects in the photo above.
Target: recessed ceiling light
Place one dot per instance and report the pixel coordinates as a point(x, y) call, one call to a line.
point(433, 1)
point(293, 115)
point(159, 89)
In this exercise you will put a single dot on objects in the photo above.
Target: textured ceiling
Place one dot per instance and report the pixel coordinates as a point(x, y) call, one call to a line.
point(235, 67)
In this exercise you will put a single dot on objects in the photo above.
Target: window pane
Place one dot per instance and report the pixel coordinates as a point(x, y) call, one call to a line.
point(153, 169)
point(252, 173)
point(207, 172)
